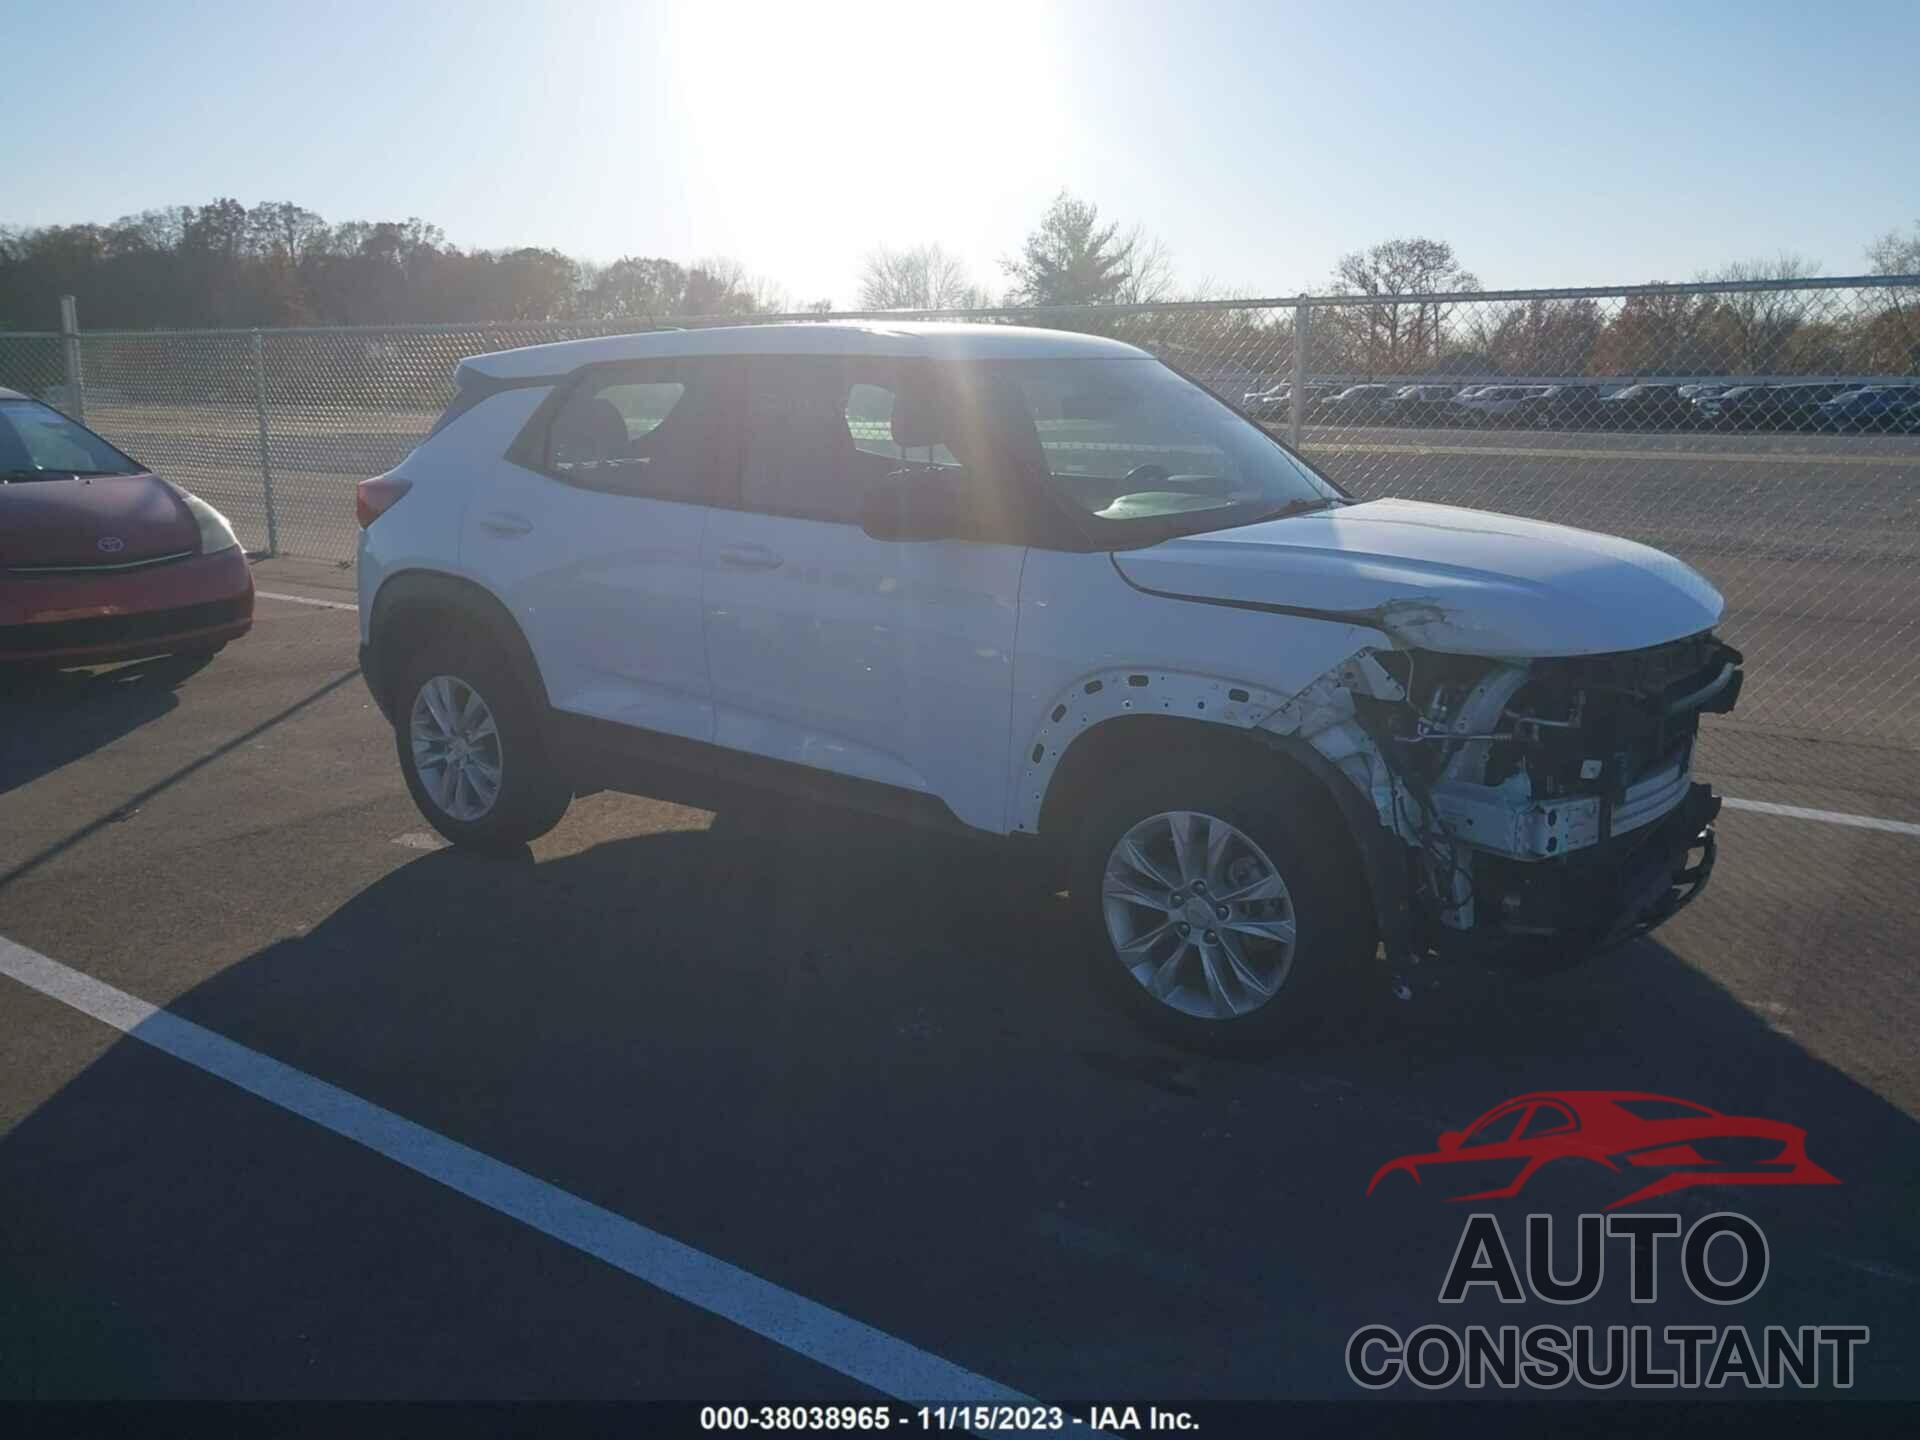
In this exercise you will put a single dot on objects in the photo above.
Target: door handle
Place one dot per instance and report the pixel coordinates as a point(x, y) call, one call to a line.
point(500, 522)
point(749, 557)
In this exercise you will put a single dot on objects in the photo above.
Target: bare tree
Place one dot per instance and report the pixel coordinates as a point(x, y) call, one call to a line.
point(721, 286)
point(1536, 337)
point(1658, 332)
point(1896, 254)
point(1150, 276)
point(1893, 338)
point(1754, 330)
point(1397, 338)
point(923, 277)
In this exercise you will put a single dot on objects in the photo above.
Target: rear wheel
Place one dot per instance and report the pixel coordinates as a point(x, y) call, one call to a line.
point(1220, 910)
point(469, 743)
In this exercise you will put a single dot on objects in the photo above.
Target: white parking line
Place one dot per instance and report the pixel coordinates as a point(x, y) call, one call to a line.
point(856, 1350)
point(305, 600)
point(1825, 817)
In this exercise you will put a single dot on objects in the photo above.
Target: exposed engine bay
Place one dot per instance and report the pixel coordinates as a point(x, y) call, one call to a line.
point(1542, 798)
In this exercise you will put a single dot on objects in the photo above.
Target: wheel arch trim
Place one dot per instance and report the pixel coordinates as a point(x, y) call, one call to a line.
point(1236, 707)
point(437, 590)
point(1115, 693)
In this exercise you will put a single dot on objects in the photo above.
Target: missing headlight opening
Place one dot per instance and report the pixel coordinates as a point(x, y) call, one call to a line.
point(1547, 799)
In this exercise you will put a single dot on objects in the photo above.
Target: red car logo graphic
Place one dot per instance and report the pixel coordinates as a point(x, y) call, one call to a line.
point(1675, 1144)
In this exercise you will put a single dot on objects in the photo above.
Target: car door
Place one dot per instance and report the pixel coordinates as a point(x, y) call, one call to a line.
point(889, 661)
point(590, 532)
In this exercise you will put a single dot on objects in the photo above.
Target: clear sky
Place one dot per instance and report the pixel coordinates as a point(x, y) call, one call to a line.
point(1551, 143)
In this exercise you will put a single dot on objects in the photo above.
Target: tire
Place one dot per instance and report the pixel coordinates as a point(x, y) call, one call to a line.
point(1279, 823)
point(527, 798)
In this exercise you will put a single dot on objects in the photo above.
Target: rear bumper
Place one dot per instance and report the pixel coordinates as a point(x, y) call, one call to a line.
point(82, 619)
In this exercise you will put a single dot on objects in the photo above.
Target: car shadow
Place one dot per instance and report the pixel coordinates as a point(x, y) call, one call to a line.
point(862, 1062)
point(50, 718)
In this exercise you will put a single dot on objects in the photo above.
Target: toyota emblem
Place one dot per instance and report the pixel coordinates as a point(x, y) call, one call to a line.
point(111, 544)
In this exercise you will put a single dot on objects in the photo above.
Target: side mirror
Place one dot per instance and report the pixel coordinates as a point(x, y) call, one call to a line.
point(912, 505)
point(1450, 1140)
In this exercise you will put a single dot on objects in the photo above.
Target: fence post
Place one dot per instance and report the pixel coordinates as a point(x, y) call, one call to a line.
point(266, 461)
point(1296, 399)
point(76, 405)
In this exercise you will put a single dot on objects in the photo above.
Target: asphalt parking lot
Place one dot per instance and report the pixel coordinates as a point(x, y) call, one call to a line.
point(857, 1063)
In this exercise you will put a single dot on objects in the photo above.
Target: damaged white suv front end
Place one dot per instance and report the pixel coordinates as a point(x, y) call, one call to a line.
point(1522, 729)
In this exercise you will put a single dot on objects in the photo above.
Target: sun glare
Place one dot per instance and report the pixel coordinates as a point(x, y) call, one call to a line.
point(820, 130)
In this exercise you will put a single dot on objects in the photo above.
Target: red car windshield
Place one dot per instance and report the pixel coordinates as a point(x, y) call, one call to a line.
point(37, 442)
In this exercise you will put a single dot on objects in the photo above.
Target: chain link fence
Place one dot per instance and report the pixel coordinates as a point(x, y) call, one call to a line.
point(1768, 434)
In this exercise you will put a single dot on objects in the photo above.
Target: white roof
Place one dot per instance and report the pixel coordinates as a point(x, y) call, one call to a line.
point(897, 339)
point(6, 394)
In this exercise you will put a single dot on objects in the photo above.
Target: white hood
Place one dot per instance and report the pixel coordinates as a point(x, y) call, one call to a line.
point(1438, 577)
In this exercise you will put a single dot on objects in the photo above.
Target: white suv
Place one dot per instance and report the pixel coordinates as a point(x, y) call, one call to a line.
point(1041, 586)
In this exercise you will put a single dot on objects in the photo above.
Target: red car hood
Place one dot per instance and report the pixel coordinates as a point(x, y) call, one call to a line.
point(77, 522)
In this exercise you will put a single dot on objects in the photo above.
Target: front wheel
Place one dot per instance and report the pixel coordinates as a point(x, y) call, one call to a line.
point(1223, 912)
point(470, 748)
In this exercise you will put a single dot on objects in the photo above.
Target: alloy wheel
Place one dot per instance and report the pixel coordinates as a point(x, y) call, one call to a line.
point(456, 747)
point(1199, 915)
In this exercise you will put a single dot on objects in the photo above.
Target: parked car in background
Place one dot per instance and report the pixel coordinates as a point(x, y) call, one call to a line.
point(1490, 404)
point(1316, 396)
point(100, 559)
point(1797, 406)
point(1743, 407)
point(1272, 404)
point(1357, 405)
point(1560, 407)
point(1702, 390)
point(1245, 716)
point(1420, 405)
point(1906, 416)
point(1872, 408)
point(1646, 407)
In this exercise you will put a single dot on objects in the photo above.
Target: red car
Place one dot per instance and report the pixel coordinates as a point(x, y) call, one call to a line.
point(1673, 1144)
point(101, 560)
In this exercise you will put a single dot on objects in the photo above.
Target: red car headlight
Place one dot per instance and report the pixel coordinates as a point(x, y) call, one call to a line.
point(216, 534)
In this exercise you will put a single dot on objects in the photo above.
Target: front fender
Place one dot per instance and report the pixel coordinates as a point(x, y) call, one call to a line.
point(1111, 694)
point(1252, 710)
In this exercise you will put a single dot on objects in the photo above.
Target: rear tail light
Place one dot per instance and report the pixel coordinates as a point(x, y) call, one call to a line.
point(373, 498)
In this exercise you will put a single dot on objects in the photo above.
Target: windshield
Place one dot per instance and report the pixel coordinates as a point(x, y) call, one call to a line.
point(37, 442)
point(1136, 451)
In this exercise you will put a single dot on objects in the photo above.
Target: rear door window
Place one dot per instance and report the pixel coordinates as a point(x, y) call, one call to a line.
point(870, 421)
point(819, 432)
point(660, 428)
